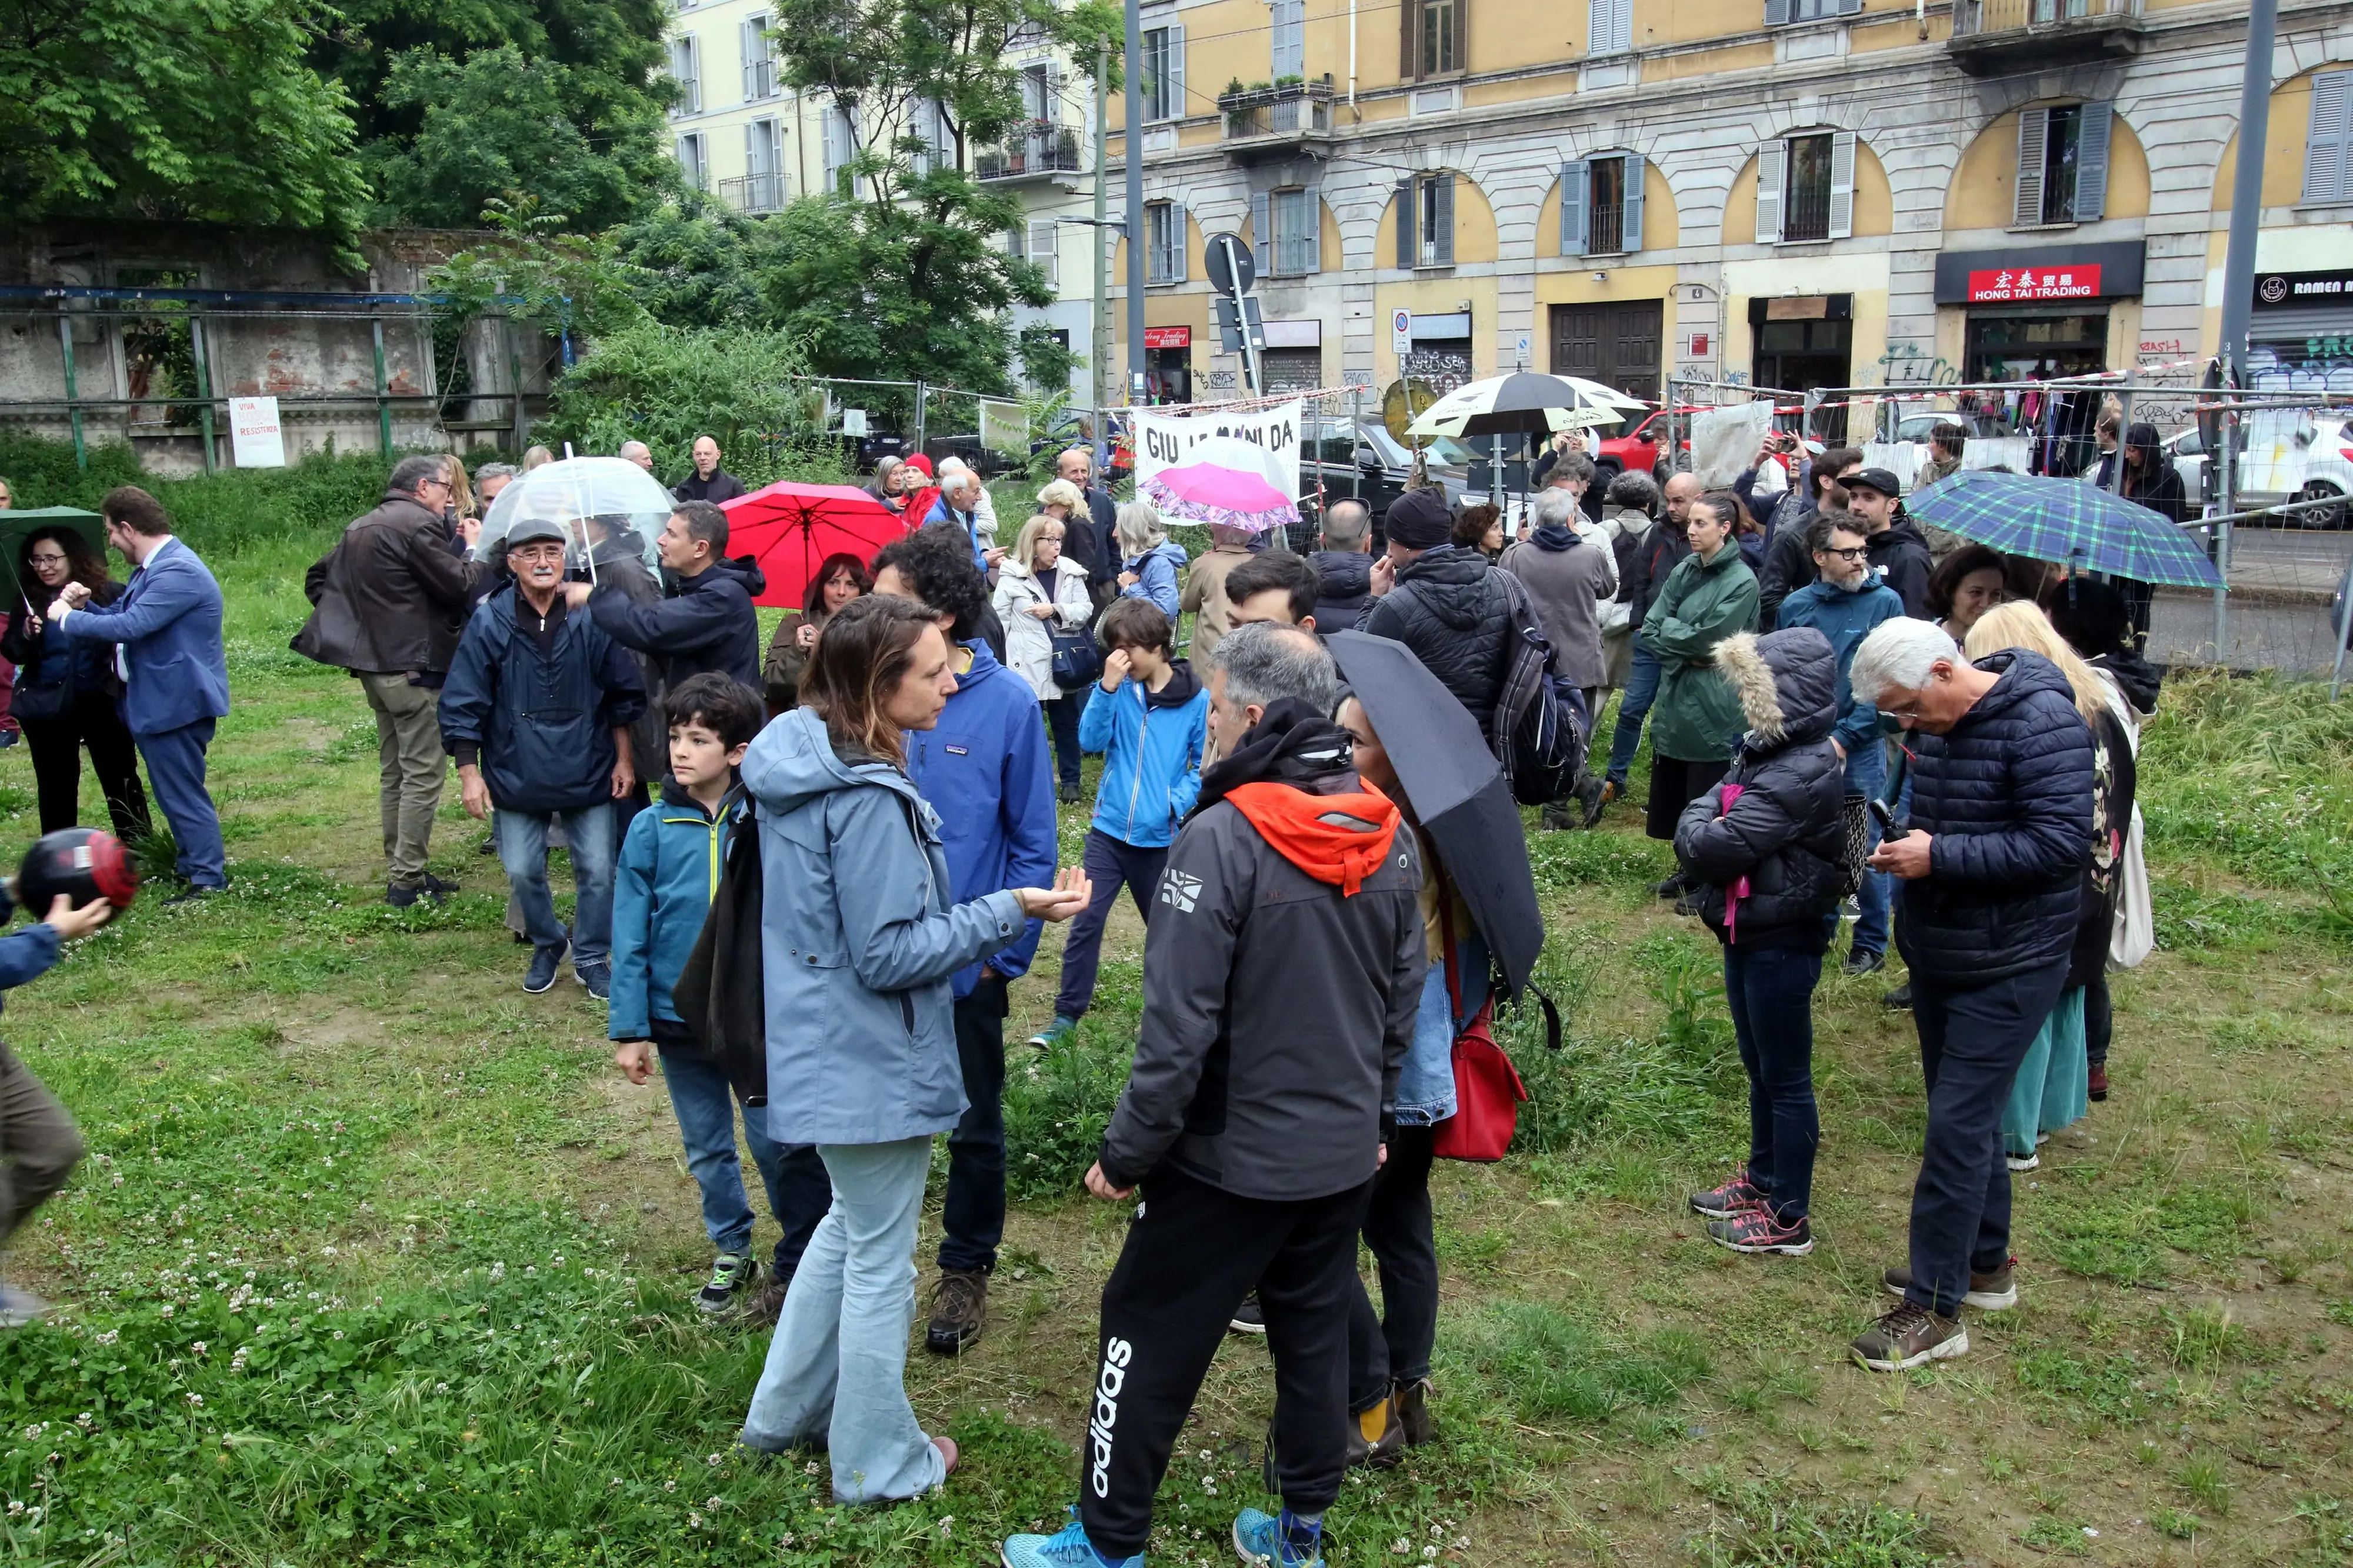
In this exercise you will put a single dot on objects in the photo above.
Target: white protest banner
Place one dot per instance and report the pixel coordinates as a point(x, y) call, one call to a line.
point(1162, 440)
point(1724, 439)
point(255, 439)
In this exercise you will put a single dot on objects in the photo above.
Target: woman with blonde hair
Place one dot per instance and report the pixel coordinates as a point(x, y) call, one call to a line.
point(1038, 593)
point(1061, 500)
point(1150, 565)
point(2052, 1090)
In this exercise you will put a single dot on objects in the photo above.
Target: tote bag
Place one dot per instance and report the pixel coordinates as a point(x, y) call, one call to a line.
point(2133, 935)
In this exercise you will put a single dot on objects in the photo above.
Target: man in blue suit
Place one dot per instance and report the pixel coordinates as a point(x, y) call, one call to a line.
point(167, 626)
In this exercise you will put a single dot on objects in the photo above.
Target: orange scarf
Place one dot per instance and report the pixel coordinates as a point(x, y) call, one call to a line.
point(1303, 830)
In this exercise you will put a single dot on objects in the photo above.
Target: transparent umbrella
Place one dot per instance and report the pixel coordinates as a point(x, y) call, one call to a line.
point(607, 507)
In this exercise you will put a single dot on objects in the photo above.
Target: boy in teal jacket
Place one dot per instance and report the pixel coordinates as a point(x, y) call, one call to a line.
point(1150, 718)
point(662, 890)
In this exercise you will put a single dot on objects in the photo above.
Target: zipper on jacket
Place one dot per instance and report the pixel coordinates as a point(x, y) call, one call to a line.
point(1143, 729)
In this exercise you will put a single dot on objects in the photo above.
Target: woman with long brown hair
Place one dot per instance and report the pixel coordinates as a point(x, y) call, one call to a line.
point(67, 691)
point(838, 580)
point(861, 939)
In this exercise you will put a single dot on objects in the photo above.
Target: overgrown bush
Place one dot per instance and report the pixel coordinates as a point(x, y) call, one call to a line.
point(218, 514)
point(666, 385)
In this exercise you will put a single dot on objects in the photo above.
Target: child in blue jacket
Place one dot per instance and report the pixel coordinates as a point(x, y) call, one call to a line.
point(1151, 721)
point(39, 1138)
point(662, 890)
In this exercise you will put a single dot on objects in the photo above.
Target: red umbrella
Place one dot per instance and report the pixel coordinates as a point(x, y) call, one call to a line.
point(791, 529)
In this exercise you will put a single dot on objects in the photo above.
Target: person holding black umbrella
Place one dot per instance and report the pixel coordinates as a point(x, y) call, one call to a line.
point(1480, 924)
point(67, 693)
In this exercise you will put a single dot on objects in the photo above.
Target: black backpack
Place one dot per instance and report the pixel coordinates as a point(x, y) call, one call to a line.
point(1542, 723)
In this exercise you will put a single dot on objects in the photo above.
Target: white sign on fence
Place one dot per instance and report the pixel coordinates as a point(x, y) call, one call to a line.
point(1724, 439)
point(256, 441)
point(853, 422)
point(1161, 440)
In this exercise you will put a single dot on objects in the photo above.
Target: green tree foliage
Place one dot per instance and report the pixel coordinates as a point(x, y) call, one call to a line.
point(534, 272)
point(500, 122)
point(665, 386)
point(447, 109)
point(175, 109)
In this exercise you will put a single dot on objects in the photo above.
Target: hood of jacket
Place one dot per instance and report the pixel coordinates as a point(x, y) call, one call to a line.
point(1902, 531)
point(1786, 682)
point(800, 765)
point(744, 570)
point(1290, 743)
point(1451, 582)
point(1341, 573)
point(2138, 678)
point(1183, 684)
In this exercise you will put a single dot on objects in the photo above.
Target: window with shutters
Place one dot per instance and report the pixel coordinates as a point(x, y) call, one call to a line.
point(840, 147)
point(1295, 228)
point(2063, 164)
point(759, 59)
point(1806, 198)
point(1610, 26)
point(1044, 251)
point(2328, 141)
point(1164, 247)
point(694, 167)
point(1432, 210)
point(682, 70)
point(1433, 36)
point(1601, 204)
point(1163, 73)
point(1290, 30)
point(1779, 13)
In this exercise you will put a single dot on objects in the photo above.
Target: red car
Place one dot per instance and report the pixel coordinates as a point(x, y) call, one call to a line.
point(1637, 450)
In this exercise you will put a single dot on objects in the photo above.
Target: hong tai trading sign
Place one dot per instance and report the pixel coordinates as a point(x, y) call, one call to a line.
point(2027, 284)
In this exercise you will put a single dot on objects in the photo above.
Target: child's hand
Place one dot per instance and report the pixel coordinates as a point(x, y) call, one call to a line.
point(1116, 665)
point(634, 1059)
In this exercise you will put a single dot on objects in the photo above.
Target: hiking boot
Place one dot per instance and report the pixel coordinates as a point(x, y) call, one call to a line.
point(1758, 1229)
point(1375, 1436)
point(1067, 1548)
point(768, 1305)
point(401, 897)
point(435, 888)
point(1689, 904)
point(1249, 1318)
point(1910, 1336)
point(1863, 961)
point(2021, 1164)
point(1994, 1292)
point(1899, 999)
point(1069, 794)
point(959, 1307)
point(19, 1308)
point(1590, 798)
point(544, 961)
point(1556, 818)
point(1280, 1542)
point(730, 1285)
point(1055, 1033)
point(1723, 1202)
point(1413, 1412)
point(1611, 789)
point(2097, 1088)
point(1673, 888)
point(597, 977)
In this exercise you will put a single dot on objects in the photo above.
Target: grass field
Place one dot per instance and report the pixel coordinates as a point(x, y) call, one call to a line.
point(376, 1259)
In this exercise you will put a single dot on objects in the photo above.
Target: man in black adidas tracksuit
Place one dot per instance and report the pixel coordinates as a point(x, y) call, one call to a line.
point(1281, 974)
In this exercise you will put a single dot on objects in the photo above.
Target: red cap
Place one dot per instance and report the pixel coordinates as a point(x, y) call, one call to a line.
point(920, 464)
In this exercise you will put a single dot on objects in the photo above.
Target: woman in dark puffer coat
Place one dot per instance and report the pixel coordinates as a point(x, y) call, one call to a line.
point(1764, 850)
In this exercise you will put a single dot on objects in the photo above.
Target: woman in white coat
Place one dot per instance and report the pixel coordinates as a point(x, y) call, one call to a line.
point(1038, 593)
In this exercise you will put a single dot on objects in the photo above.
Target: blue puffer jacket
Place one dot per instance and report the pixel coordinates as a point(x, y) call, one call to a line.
point(662, 888)
point(1846, 616)
point(858, 937)
point(1152, 743)
point(986, 770)
point(544, 726)
point(2007, 795)
point(1156, 571)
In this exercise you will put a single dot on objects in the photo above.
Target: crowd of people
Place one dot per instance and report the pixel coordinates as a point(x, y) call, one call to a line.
point(809, 870)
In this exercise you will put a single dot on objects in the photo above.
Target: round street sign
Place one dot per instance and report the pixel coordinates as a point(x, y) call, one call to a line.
point(1229, 264)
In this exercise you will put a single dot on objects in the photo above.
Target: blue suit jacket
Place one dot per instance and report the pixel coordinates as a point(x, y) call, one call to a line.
point(169, 624)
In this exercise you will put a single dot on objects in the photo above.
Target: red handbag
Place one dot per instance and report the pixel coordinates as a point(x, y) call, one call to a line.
point(1487, 1095)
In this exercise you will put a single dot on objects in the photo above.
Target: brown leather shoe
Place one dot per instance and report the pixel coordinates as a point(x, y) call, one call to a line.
point(959, 1308)
point(2097, 1088)
point(1375, 1436)
point(1910, 1336)
point(1413, 1412)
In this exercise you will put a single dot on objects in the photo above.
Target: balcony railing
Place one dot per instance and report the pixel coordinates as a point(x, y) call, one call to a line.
point(1975, 18)
point(1605, 230)
point(1039, 147)
point(1806, 210)
point(1996, 37)
point(753, 193)
point(1293, 110)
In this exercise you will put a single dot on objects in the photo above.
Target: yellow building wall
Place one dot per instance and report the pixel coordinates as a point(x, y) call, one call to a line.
point(1900, 32)
point(2284, 139)
point(1874, 200)
point(1661, 224)
point(1436, 297)
point(1474, 226)
point(1707, 62)
point(1984, 191)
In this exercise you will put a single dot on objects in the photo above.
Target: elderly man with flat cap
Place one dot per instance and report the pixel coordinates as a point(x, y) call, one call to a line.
point(1444, 601)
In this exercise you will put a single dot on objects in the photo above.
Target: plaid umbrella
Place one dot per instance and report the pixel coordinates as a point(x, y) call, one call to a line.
point(2066, 521)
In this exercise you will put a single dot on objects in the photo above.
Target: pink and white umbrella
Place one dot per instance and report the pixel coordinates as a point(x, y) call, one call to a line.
point(1225, 482)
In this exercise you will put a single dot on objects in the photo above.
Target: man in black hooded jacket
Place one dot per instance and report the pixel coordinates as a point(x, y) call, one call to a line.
point(710, 624)
point(1444, 602)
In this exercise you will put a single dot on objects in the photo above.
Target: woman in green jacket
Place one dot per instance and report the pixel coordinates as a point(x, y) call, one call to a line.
point(1695, 721)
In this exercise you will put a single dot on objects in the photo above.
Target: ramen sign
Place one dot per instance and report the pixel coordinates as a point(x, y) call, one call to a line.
point(2007, 286)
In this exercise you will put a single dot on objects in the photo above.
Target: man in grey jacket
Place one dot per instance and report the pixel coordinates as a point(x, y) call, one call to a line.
point(1281, 974)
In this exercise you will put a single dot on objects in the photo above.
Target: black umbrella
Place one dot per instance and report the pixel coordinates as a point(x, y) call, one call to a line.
point(14, 527)
point(1457, 792)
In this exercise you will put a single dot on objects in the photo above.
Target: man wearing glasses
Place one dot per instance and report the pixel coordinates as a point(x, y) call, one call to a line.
point(389, 602)
point(1844, 603)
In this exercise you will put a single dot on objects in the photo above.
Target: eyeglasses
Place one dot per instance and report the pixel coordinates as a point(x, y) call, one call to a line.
point(47, 558)
point(1845, 552)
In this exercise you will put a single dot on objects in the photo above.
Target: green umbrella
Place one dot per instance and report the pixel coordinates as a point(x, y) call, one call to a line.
point(15, 525)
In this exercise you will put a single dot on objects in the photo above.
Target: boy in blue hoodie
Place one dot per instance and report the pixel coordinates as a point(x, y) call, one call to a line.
point(662, 888)
point(39, 1138)
point(986, 770)
point(1151, 722)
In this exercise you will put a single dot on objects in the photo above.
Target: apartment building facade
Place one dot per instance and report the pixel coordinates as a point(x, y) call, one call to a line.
point(1799, 193)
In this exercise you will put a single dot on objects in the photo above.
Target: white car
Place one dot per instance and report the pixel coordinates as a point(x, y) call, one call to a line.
point(2313, 461)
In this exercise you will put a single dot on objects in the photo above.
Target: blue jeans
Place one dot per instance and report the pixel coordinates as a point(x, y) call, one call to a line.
point(1633, 707)
point(798, 1192)
point(1770, 991)
point(837, 1371)
point(175, 767)
point(523, 849)
point(1866, 775)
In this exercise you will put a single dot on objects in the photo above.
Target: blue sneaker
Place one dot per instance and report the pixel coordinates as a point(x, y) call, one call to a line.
point(1055, 1033)
point(1262, 1538)
point(1067, 1548)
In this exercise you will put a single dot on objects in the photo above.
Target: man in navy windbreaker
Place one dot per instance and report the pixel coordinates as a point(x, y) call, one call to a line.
point(536, 711)
point(986, 771)
point(708, 627)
